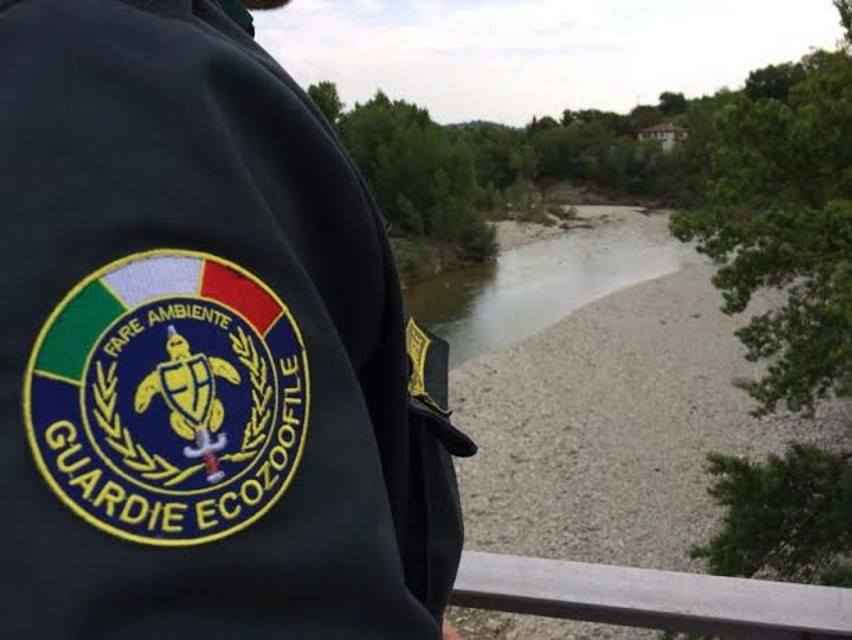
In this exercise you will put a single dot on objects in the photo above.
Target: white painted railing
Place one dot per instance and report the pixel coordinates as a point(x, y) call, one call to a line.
point(725, 607)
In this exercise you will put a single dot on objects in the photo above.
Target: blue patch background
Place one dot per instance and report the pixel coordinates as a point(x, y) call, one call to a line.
point(152, 429)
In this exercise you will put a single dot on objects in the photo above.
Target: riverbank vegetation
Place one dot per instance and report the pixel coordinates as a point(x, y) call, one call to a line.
point(778, 215)
point(439, 186)
point(423, 177)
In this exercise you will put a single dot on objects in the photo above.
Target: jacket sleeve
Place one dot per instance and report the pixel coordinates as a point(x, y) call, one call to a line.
point(157, 169)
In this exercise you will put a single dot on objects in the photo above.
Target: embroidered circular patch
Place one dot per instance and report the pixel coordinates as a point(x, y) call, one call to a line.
point(167, 398)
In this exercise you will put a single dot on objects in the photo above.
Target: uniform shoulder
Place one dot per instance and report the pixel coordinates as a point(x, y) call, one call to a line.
point(160, 28)
point(88, 12)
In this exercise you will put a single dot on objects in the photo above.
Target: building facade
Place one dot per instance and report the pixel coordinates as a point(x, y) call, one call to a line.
point(667, 134)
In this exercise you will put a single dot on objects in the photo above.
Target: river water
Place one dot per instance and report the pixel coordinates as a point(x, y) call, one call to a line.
point(527, 289)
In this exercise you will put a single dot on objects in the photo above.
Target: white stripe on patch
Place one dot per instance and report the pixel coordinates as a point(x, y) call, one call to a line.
point(155, 277)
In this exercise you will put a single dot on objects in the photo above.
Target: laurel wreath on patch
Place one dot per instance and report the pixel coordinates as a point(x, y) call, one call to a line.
point(134, 455)
point(154, 467)
point(261, 395)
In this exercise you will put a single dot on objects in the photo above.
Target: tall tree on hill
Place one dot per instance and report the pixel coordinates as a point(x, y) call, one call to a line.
point(616, 123)
point(493, 147)
point(327, 99)
point(524, 161)
point(541, 124)
point(672, 104)
point(774, 81)
point(568, 118)
point(845, 9)
point(423, 176)
point(644, 116)
point(779, 216)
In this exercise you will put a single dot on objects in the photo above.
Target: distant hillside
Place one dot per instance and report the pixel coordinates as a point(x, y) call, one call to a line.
point(478, 124)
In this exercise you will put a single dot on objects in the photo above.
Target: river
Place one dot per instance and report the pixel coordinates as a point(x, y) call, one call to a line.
point(529, 288)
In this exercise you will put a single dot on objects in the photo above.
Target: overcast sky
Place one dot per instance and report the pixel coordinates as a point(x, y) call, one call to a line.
point(505, 60)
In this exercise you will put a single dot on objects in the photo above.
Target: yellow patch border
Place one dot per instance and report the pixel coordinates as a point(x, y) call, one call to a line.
point(31, 371)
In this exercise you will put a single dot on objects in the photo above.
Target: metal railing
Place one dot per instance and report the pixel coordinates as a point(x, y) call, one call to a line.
point(726, 607)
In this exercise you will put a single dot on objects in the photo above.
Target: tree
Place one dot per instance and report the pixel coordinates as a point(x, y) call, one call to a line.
point(493, 147)
point(325, 96)
point(774, 81)
point(788, 516)
point(779, 216)
point(422, 174)
point(672, 104)
point(560, 152)
point(844, 7)
point(684, 178)
point(642, 117)
point(524, 161)
point(568, 118)
point(542, 124)
point(615, 122)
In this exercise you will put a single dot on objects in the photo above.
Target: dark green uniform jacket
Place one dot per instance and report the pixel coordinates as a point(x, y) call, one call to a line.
point(204, 424)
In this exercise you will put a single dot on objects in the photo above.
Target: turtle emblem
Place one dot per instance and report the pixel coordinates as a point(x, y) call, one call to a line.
point(187, 383)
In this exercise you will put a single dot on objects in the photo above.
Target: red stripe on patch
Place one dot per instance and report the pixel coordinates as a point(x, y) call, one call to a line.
point(238, 292)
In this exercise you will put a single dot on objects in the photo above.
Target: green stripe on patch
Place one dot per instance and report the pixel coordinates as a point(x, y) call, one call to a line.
point(76, 329)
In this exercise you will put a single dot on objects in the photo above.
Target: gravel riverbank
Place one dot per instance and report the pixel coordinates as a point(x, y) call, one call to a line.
point(593, 436)
point(512, 234)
